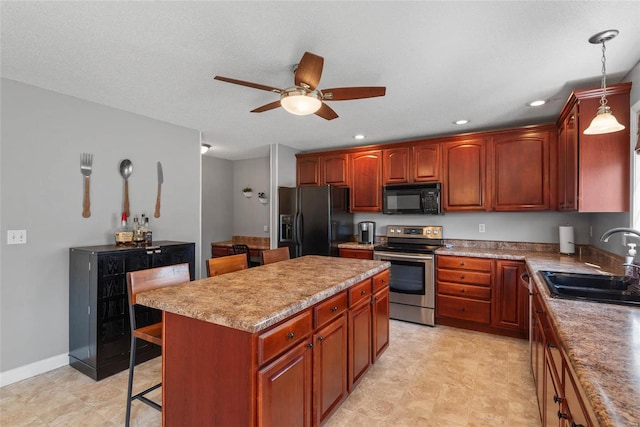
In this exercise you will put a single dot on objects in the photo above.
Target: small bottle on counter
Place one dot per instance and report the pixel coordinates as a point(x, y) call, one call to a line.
point(138, 235)
point(124, 235)
point(148, 235)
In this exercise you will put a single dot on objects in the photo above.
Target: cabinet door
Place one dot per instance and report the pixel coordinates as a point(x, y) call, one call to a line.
point(574, 405)
point(380, 316)
point(308, 170)
point(366, 181)
point(465, 182)
point(537, 359)
point(396, 166)
point(521, 171)
point(329, 368)
point(552, 399)
point(510, 298)
point(175, 254)
point(335, 169)
point(426, 163)
point(359, 341)
point(568, 163)
point(284, 389)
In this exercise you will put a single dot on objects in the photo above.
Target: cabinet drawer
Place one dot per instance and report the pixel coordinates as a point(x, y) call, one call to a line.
point(464, 263)
point(284, 336)
point(471, 277)
point(466, 291)
point(359, 292)
point(464, 309)
point(356, 253)
point(330, 309)
point(380, 281)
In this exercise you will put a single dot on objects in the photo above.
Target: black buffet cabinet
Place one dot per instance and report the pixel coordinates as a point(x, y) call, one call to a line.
point(99, 329)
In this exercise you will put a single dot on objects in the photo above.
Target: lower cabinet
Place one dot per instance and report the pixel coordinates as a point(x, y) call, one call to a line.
point(482, 294)
point(356, 253)
point(561, 401)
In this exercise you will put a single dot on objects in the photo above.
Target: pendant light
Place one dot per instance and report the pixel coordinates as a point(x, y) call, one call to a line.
point(604, 121)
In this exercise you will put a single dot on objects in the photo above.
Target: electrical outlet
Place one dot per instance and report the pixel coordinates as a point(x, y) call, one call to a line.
point(16, 237)
point(481, 228)
point(266, 228)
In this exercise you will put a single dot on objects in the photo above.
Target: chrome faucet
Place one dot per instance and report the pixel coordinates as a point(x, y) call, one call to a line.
point(631, 270)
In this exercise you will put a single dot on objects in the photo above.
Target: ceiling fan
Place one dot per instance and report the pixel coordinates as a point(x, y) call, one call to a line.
point(305, 97)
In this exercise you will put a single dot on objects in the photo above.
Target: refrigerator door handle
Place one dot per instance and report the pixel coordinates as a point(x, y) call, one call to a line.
point(298, 226)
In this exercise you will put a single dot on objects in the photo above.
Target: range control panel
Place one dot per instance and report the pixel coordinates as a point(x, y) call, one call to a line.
point(419, 231)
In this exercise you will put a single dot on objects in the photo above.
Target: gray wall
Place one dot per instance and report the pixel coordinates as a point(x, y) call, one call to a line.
point(43, 134)
point(217, 196)
point(249, 215)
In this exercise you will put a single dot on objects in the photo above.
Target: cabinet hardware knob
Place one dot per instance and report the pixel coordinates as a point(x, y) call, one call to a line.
point(310, 345)
point(551, 345)
point(377, 298)
point(573, 424)
point(462, 291)
point(334, 308)
point(320, 338)
point(462, 263)
point(462, 309)
point(562, 415)
point(557, 399)
point(290, 335)
point(539, 311)
point(363, 292)
point(462, 276)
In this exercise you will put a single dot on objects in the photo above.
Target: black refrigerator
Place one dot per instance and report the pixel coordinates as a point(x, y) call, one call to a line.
point(313, 220)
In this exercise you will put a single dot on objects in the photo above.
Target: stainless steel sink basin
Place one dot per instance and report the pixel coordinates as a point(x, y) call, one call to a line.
point(592, 287)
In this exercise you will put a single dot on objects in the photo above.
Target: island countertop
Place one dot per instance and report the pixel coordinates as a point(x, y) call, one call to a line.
point(254, 299)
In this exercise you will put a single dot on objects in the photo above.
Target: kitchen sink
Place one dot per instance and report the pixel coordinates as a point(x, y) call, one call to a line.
point(592, 287)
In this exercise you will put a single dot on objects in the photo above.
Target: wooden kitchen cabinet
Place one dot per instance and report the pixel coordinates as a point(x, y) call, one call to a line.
point(426, 162)
point(396, 164)
point(419, 162)
point(521, 165)
point(465, 176)
point(99, 328)
point(360, 331)
point(510, 299)
point(601, 172)
point(356, 253)
point(380, 315)
point(366, 181)
point(308, 170)
point(323, 168)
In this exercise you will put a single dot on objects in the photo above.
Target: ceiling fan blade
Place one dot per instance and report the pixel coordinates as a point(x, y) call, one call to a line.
point(248, 84)
point(346, 93)
point(267, 107)
point(309, 70)
point(326, 112)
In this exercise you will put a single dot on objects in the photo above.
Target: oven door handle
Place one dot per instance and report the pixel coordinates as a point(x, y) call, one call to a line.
point(399, 257)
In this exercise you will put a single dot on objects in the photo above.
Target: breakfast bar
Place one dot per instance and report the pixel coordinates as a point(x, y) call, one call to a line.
point(280, 344)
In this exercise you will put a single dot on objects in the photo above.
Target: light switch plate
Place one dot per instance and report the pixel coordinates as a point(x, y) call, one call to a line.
point(481, 228)
point(16, 237)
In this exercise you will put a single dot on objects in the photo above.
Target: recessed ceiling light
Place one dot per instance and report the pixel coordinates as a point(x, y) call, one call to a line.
point(358, 136)
point(537, 103)
point(461, 122)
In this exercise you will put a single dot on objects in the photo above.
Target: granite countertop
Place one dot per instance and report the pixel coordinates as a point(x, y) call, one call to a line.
point(602, 341)
point(256, 298)
point(258, 243)
point(356, 245)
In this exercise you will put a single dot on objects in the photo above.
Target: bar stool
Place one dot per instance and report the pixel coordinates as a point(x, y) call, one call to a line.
point(226, 264)
point(140, 281)
point(239, 248)
point(274, 255)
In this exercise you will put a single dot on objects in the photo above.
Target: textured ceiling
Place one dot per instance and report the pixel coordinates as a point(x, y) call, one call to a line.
point(440, 61)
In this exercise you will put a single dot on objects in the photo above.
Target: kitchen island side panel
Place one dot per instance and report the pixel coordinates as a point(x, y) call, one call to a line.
point(208, 374)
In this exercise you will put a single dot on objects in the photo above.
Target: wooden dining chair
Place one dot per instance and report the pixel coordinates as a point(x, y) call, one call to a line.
point(226, 264)
point(140, 281)
point(274, 255)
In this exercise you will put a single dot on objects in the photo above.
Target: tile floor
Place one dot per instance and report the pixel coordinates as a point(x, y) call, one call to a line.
point(438, 376)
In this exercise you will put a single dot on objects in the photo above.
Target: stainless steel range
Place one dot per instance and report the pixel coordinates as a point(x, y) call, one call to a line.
point(411, 252)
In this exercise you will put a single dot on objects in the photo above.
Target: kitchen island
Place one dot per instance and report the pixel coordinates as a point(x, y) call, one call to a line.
point(280, 344)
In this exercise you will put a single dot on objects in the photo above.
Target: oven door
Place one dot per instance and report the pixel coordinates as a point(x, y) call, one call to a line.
point(411, 278)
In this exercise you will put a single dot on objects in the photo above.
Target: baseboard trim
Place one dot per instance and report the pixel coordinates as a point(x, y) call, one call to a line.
point(32, 369)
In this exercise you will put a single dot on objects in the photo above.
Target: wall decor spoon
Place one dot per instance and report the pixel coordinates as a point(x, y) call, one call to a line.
point(126, 167)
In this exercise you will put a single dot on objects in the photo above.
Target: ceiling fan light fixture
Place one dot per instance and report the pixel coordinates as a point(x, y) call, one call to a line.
point(604, 121)
point(300, 101)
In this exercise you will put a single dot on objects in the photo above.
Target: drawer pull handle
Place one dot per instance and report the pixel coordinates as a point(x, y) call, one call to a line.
point(551, 345)
point(562, 415)
point(462, 309)
point(462, 276)
point(557, 399)
point(290, 335)
point(334, 308)
point(462, 291)
point(462, 263)
point(363, 292)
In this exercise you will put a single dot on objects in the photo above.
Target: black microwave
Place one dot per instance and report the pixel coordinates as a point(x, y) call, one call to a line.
point(411, 199)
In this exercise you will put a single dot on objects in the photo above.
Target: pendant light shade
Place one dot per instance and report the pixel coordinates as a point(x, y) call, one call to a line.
point(604, 121)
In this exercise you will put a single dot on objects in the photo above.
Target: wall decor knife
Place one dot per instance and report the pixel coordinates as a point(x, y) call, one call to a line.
point(160, 181)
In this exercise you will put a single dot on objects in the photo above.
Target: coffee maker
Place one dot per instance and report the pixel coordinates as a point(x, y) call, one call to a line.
point(366, 232)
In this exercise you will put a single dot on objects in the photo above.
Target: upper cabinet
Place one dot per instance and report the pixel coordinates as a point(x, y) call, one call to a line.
point(520, 162)
point(419, 162)
point(594, 171)
point(465, 176)
point(323, 168)
point(366, 181)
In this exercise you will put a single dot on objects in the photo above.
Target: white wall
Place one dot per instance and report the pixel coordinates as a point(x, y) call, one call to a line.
point(249, 215)
point(43, 134)
point(217, 196)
